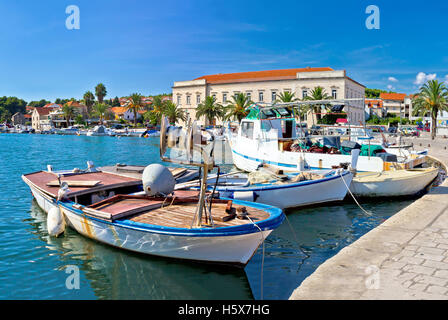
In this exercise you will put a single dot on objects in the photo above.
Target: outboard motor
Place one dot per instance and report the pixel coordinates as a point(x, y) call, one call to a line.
point(158, 180)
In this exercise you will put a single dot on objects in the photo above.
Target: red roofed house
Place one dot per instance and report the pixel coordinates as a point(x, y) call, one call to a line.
point(41, 119)
point(394, 103)
point(265, 86)
point(375, 107)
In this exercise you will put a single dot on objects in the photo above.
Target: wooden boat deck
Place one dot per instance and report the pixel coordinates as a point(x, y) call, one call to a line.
point(181, 216)
point(177, 211)
point(42, 179)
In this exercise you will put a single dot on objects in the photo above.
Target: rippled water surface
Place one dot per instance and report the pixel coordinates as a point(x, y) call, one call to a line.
point(33, 265)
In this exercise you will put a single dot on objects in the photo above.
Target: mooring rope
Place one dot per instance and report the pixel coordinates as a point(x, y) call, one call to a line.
point(262, 257)
point(348, 188)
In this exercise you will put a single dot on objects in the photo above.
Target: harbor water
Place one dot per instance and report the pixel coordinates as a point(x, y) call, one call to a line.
point(34, 265)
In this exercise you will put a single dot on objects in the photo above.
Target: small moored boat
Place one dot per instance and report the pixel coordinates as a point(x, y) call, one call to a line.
point(404, 182)
point(149, 216)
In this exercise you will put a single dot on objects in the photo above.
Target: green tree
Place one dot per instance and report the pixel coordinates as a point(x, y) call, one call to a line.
point(89, 100)
point(135, 105)
point(101, 110)
point(237, 109)
point(318, 93)
point(116, 102)
point(38, 104)
point(69, 112)
point(210, 109)
point(173, 112)
point(432, 98)
point(100, 92)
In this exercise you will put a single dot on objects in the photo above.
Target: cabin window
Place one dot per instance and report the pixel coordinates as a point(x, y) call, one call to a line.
point(247, 129)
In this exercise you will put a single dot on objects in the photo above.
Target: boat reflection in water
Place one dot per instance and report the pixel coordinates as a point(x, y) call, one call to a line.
point(119, 274)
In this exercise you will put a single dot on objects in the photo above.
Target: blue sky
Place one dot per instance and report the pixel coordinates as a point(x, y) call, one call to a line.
point(143, 46)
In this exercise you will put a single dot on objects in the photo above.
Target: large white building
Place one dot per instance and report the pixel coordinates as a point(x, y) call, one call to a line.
point(264, 86)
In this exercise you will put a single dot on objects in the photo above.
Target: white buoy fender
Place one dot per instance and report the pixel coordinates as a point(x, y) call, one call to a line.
point(244, 195)
point(55, 222)
point(157, 180)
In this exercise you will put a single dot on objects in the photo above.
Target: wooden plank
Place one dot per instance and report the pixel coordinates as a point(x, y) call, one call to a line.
point(74, 183)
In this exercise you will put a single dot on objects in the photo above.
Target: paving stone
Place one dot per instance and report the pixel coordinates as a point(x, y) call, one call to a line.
point(442, 246)
point(434, 251)
point(406, 276)
point(419, 269)
point(418, 286)
point(436, 264)
point(441, 274)
point(411, 260)
point(437, 289)
point(421, 278)
point(429, 256)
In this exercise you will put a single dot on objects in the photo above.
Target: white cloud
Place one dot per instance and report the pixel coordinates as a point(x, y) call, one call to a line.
point(422, 78)
point(392, 79)
point(390, 87)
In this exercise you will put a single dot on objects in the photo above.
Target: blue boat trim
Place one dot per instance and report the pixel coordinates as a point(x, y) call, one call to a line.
point(275, 219)
point(284, 186)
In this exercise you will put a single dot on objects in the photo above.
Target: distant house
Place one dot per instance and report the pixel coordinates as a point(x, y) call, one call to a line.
point(125, 114)
point(375, 107)
point(18, 118)
point(79, 107)
point(41, 119)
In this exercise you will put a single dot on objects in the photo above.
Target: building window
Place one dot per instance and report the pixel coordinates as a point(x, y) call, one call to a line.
point(334, 94)
point(214, 96)
point(224, 97)
point(178, 99)
point(188, 99)
point(260, 96)
point(198, 98)
point(274, 96)
point(249, 95)
point(304, 93)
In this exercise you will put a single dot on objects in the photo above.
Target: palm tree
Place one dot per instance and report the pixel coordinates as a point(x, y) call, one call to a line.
point(89, 100)
point(69, 112)
point(101, 109)
point(135, 105)
point(210, 109)
point(286, 97)
point(318, 93)
point(238, 108)
point(157, 106)
point(173, 112)
point(432, 98)
point(101, 92)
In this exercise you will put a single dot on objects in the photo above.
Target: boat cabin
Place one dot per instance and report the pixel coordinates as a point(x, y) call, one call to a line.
point(276, 124)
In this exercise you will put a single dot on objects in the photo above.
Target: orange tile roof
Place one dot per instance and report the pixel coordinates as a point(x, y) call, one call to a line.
point(43, 111)
point(119, 110)
point(392, 96)
point(259, 75)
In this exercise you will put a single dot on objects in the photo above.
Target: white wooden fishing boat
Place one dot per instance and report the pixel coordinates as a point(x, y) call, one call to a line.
point(267, 134)
point(290, 190)
point(392, 183)
point(193, 225)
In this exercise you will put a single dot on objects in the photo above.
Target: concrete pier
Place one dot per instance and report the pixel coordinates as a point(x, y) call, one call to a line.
point(406, 257)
